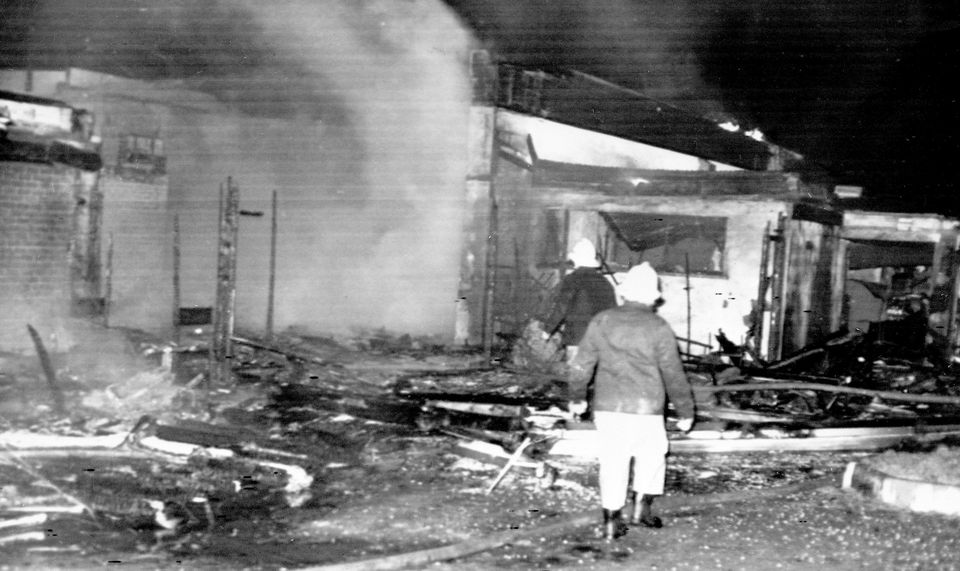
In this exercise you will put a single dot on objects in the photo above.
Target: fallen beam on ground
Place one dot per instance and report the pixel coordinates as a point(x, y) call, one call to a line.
point(802, 386)
point(751, 417)
point(489, 398)
point(492, 454)
point(13, 458)
point(33, 440)
point(25, 536)
point(512, 461)
point(35, 519)
point(583, 443)
point(485, 409)
point(288, 354)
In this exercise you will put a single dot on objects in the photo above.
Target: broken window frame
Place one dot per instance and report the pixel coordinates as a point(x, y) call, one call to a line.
point(622, 246)
point(142, 154)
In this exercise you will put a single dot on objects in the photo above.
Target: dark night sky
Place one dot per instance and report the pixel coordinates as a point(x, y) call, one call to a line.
point(862, 86)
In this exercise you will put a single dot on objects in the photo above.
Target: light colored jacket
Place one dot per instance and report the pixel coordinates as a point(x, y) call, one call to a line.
point(637, 363)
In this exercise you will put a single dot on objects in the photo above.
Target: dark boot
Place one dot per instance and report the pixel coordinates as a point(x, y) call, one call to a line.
point(613, 526)
point(642, 513)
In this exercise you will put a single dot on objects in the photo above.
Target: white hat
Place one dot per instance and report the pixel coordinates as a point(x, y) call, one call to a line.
point(640, 285)
point(584, 254)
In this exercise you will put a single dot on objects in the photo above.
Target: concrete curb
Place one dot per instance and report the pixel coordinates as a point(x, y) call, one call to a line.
point(915, 495)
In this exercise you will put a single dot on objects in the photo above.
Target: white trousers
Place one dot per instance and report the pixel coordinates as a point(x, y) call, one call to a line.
point(641, 437)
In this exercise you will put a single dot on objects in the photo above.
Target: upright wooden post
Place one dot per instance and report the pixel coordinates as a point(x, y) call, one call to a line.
point(273, 264)
point(221, 355)
point(176, 278)
point(108, 282)
point(490, 286)
point(686, 272)
point(778, 280)
point(763, 283)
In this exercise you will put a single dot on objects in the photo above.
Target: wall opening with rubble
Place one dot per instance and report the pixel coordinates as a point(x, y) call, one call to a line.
point(901, 281)
point(709, 231)
point(355, 118)
point(668, 219)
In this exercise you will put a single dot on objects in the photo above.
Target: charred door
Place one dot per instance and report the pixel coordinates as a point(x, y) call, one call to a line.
point(807, 285)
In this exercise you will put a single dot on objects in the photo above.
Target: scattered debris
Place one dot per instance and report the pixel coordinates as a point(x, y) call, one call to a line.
point(305, 421)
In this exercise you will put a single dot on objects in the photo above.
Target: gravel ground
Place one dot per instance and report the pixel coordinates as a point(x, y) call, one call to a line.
point(827, 528)
point(436, 500)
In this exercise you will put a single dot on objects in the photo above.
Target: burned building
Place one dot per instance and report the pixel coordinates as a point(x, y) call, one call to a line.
point(51, 206)
point(743, 243)
point(747, 241)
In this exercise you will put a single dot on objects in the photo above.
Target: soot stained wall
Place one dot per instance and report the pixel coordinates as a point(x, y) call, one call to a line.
point(36, 228)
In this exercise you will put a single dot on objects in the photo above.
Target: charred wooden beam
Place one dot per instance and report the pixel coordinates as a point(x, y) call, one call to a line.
point(772, 385)
point(290, 355)
point(48, 370)
point(220, 349)
point(485, 398)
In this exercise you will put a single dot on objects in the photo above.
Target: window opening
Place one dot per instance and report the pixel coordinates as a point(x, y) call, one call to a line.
point(669, 242)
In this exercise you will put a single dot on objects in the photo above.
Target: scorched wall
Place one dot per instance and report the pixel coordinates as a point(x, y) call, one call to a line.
point(36, 228)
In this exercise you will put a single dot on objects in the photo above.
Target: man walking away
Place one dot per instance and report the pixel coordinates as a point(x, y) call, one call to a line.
point(583, 293)
point(634, 352)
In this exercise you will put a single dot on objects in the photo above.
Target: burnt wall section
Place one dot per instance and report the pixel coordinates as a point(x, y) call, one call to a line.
point(137, 226)
point(37, 206)
point(525, 278)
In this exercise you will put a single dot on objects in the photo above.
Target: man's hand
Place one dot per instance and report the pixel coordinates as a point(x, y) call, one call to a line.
point(578, 407)
point(537, 325)
point(685, 424)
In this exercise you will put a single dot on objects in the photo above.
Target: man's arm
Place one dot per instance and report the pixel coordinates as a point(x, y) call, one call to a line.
point(582, 366)
point(559, 308)
point(675, 381)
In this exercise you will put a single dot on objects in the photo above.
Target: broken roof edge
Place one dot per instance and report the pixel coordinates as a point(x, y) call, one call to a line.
point(51, 151)
point(582, 100)
point(617, 181)
point(32, 99)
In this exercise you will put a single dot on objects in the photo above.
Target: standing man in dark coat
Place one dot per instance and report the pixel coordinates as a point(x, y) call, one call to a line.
point(634, 352)
point(583, 293)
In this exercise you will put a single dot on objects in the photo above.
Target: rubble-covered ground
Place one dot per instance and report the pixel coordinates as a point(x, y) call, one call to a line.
point(383, 483)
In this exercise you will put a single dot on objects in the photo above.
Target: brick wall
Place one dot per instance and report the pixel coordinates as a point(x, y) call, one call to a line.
point(36, 228)
point(135, 215)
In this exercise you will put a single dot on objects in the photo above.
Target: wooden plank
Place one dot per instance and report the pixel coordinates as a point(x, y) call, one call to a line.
point(582, 443)
point(176, 278)
point(485, 409)
point(813, 444)
point(804, 386)
point(763, 283)
point(271, 286)
point(777, 291)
